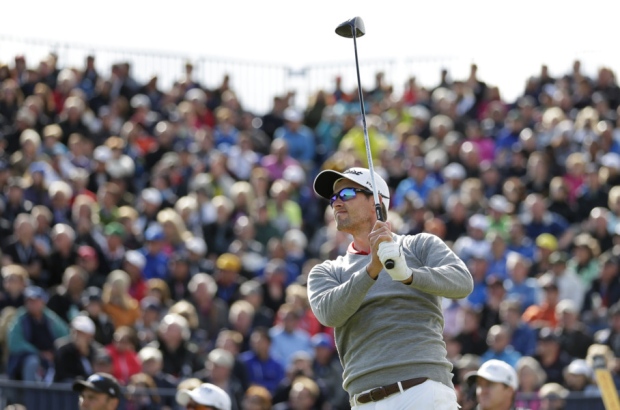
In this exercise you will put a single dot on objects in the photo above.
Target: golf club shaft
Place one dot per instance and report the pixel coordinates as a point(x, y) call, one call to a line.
point(389, 264)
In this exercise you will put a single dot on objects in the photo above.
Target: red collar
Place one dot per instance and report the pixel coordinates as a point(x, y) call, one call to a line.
point(355, 251)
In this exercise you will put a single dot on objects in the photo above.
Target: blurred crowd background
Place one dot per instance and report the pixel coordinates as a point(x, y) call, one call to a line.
point(165, 236)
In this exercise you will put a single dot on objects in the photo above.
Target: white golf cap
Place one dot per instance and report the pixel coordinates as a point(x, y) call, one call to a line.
point(499, 203)
point(83, 324)
point(478, 221)
point(206, 394)
point(579, 366)
point(324, 182)
point(611, 160)
point(135, 258)
point(497, 371)
point(102, 153)
point(454, 171)
point(196, 245)
point(152, 196)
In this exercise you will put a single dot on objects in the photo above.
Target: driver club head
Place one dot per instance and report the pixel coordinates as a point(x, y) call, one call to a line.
point(344, 29)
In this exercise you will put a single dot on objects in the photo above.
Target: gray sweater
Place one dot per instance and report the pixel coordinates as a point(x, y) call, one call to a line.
point(387, 331)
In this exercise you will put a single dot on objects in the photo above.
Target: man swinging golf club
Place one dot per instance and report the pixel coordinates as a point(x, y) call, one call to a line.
point(388, 321)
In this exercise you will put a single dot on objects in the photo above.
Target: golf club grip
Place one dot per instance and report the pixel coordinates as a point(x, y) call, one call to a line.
point(389, 264)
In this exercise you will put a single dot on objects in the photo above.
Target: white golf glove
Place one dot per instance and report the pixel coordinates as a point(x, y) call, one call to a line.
point(393, 251)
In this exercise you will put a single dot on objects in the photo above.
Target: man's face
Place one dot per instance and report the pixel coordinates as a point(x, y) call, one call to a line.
point(92, 400)
point(491, 395)
point(353, 214)
point(35, 306)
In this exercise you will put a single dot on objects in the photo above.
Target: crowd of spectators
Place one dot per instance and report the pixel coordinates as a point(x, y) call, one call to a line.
point(165, 236)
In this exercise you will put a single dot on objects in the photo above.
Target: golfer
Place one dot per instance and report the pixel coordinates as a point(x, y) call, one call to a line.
point(100, 391)
point(388, 323)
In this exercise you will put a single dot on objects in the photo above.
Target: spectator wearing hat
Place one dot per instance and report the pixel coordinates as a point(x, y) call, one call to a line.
point(546, 244)
point(37, 189)
point(603, 293)
point(148, 206)
point(196, 256)
point(212, 311)
point(133, 264)
point(550, 355)
point(575, 338)
point(118, 304)
point(64, 253)
point(496, 384)
point(66, 299)
point(579, 376)
point(498, 341)
point(156, 259)
point(206, 395)
point(474, 241)
point(99, 175)
point(227, 277)
point(75, 353)
point(31, 336)
point(14, 282)
point(453, 175)
point(93, 308)
point(99, 391)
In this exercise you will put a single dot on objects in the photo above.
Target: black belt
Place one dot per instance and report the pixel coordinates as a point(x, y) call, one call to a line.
point(381, 393)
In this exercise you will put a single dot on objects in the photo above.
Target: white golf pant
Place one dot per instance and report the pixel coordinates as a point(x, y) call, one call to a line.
point(430, 395)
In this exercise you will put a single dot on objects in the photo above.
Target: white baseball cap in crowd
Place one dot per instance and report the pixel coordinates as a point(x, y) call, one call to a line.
point(196, 245)
point(136, 259)
point(152, 196)
point(206, 394)
point(497, 371)
point(83, 324)
point(324, 182)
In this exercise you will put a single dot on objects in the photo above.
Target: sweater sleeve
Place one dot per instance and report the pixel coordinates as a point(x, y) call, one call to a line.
point(332, 302)
point(441, 273)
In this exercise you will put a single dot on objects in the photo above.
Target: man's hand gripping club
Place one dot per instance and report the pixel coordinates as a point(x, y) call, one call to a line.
point(383, 248)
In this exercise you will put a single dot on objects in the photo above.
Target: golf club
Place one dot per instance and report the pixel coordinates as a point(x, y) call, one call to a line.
point(352, 29)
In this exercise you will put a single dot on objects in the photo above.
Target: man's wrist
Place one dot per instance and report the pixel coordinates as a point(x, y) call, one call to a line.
point(408, 281)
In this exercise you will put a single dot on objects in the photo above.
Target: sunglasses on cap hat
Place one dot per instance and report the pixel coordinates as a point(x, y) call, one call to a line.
point(347, 194)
